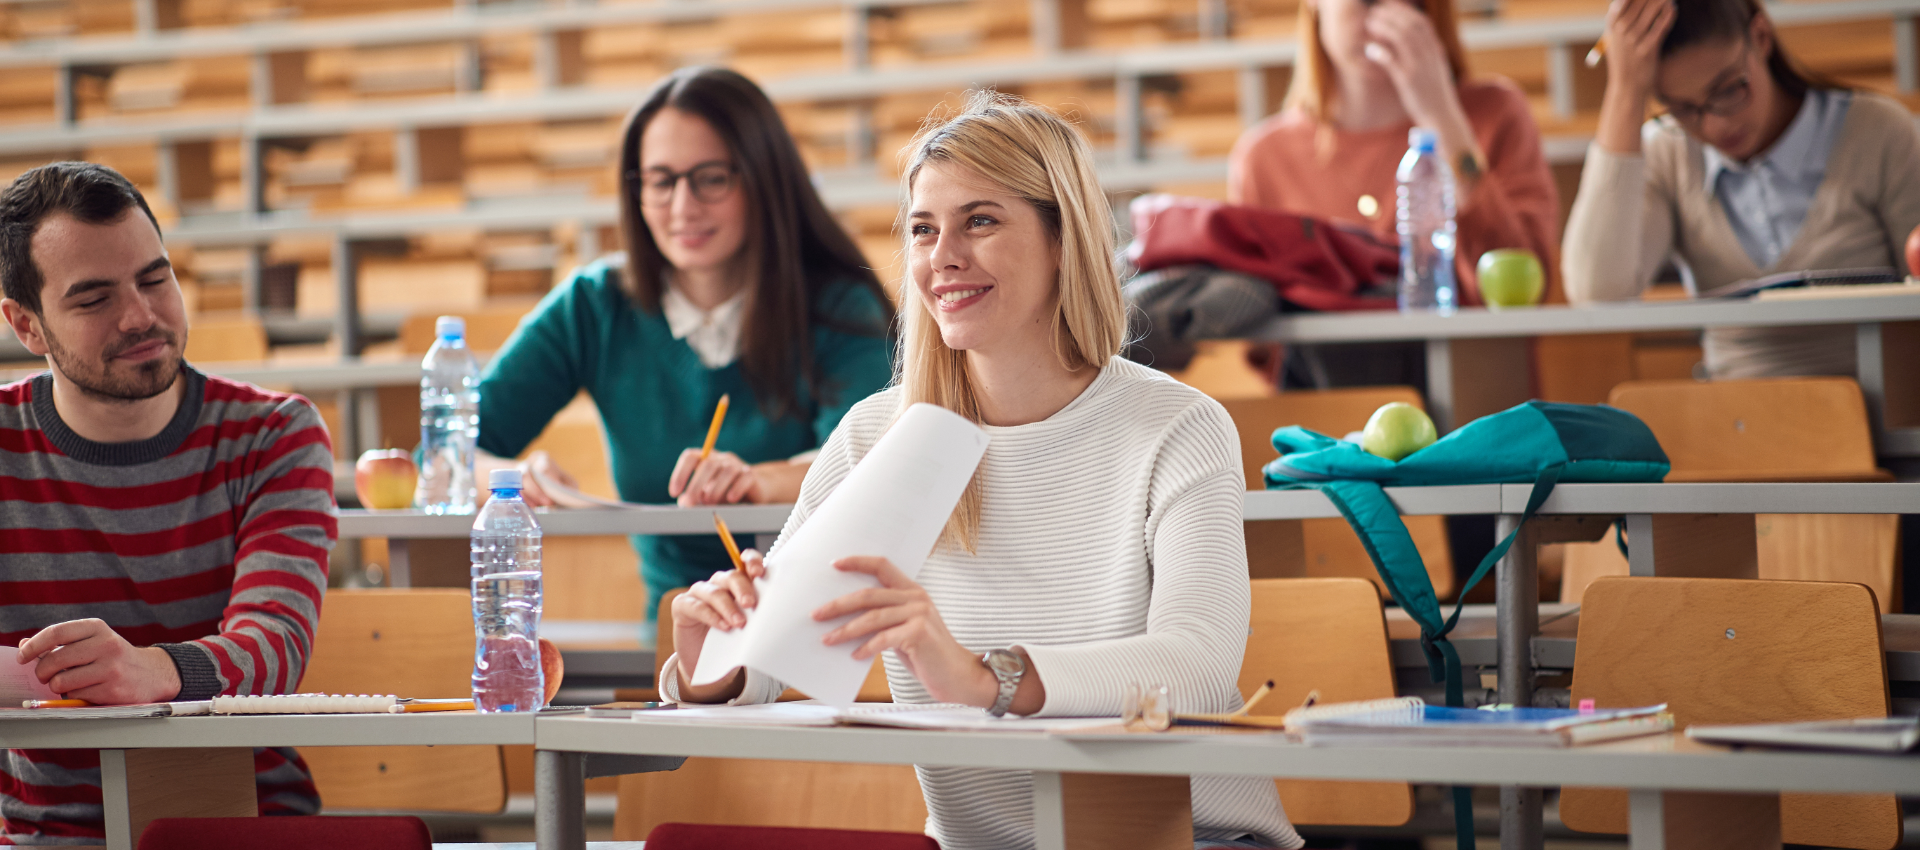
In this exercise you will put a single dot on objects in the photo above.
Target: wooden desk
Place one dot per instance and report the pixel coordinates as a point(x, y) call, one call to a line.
point(1478, 362)
point(146, 763)
point(1649, 765)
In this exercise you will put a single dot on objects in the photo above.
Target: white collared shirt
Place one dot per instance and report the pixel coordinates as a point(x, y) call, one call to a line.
point(1767, 197)
point(712, 334)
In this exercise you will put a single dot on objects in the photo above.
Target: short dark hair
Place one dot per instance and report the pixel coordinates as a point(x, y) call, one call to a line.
point(92, 193)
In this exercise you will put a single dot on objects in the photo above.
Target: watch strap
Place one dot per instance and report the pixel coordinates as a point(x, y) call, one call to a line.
point(1008, 668)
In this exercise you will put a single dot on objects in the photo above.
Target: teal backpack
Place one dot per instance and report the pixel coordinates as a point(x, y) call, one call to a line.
point(1542, 443)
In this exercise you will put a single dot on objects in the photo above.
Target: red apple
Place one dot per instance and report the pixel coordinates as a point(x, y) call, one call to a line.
point(552, 669)
point(1913, 253)
point(384, 478)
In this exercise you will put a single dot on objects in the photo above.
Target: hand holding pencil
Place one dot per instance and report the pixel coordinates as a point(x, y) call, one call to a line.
point(704, 476)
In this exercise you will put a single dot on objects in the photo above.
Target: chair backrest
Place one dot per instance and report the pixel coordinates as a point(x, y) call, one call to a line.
point(487, 328)
point(413, 642)
point(1738, 651)
point(226, 338)
point(1755, 429)
point(1805, 429)
point(690, 836)
point(1326, 635)
point(287, 833)
point(1328, 547)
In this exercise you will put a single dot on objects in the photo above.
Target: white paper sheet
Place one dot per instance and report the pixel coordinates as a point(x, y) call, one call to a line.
point(892, 505)
point(960, 718)
point(17, 682)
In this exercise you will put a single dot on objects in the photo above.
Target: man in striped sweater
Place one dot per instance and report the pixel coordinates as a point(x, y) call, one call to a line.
point(163, 534)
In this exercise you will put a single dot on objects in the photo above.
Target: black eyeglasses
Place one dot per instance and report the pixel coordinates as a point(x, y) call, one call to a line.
point(709, 182)
point(1723, 101)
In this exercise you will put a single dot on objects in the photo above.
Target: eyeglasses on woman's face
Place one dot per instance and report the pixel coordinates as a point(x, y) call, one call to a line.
point(1724, 100)
point(709, 182)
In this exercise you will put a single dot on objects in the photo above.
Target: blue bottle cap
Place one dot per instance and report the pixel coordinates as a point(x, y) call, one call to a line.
point(1423, 140)
point(450, 327)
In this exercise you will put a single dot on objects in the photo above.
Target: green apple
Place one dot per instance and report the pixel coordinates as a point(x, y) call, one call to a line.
point(1511, 277)
point(1397, 430)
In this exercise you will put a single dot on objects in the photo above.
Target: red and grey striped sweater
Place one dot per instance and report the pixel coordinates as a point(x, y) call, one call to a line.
point(209, 540)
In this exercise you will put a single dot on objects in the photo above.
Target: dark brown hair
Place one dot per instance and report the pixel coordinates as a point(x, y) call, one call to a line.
point(1703, 21)
point(794, 248)
point(94, 194)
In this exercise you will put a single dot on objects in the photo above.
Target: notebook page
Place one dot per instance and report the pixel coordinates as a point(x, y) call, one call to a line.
point(893, 505)
point(17, 682)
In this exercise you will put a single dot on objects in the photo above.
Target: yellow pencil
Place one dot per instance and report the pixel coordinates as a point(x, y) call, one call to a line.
point(432, 705)
point(1257, 697)
point(733, 551)
point(1599, 50)
point(713, 431)
point(56, 703)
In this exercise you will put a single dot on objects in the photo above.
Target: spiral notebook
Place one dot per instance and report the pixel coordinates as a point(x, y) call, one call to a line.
point(1436, 725)
point(334, 704)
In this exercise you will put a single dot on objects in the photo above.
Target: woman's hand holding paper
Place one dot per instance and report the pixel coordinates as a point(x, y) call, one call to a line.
point(721, 602)
point(899, 615)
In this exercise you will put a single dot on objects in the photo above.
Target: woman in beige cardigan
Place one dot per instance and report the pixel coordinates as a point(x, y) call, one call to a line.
point(1756, 168)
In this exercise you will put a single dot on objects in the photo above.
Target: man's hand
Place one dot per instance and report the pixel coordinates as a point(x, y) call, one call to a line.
point(84, 659)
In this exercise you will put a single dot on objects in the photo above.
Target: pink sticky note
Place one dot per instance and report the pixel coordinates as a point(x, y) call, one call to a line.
point(1586, 706)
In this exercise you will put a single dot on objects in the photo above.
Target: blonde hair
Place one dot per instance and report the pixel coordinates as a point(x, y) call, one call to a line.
point(1315, 83)
point(1031, 153)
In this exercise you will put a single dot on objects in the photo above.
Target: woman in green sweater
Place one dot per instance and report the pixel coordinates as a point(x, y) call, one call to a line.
point(736, 281)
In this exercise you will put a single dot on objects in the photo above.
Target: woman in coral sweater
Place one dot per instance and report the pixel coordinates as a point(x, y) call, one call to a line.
point(1374, 70)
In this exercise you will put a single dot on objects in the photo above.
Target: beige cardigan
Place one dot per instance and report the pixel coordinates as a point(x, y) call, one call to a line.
point(1634, 211)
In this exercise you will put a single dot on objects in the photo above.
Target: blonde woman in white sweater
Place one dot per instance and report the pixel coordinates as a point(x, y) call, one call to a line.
point(1758, 167)
point(1100, 542)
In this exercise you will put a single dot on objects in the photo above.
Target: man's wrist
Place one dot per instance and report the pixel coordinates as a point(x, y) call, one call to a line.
point(193, 671)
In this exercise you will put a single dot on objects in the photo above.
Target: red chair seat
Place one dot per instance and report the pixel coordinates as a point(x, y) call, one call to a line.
point(694, 836)
point(287, 833)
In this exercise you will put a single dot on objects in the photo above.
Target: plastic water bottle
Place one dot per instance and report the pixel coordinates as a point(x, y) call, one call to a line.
point(449, 421)
point(1426, 227)
point(506, 601)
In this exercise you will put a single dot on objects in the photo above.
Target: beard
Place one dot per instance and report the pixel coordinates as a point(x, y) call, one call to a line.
point(105, 380)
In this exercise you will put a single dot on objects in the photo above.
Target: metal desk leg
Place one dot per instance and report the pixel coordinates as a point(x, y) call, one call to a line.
point(1872, 367)
point(113, 799)
point(399, 568)
point(1049, 812)
point(1517, 588)
point(1440, 383)
point(559, 800)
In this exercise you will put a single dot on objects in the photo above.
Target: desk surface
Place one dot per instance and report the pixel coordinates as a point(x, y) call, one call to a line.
point(308, 730)
point(1768, 498)
point(1558, 319)
point(1667, 762)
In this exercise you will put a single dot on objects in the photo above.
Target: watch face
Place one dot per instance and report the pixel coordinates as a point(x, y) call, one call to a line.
point(1004, 663)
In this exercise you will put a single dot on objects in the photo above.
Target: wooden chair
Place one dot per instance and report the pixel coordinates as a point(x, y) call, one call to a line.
point(1324, 547)
point(754, 792)
point(1738, 651)
point(1777, 429)
point(417, 643)
point(226, 338)
point(1324, 634)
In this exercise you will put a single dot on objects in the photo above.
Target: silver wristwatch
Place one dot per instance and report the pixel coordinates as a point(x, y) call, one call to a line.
point(1007, 668)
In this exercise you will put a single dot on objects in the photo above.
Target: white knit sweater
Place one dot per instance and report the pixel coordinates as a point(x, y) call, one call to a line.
point(1111, 548)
